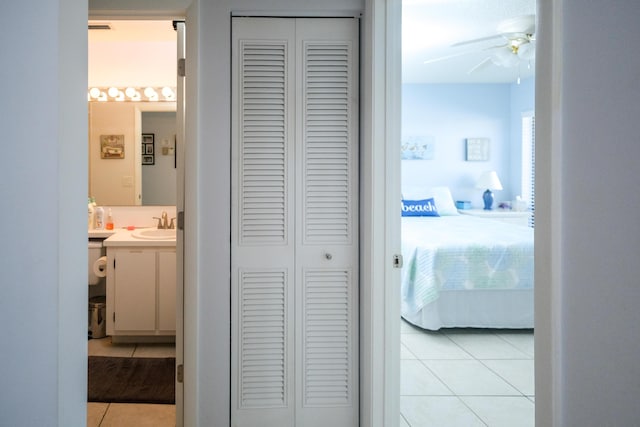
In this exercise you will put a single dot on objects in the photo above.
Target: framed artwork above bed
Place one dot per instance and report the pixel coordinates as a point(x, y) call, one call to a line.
point(418, 148)
point(477, 149)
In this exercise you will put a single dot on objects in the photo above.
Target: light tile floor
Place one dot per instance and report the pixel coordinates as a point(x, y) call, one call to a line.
point(449, 378)
point(125, 414)
point(466, 377)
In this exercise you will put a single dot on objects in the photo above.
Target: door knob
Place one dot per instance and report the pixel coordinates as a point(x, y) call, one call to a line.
point(328, 256)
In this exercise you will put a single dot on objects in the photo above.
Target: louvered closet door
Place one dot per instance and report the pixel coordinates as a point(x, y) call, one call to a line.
point(294, 222)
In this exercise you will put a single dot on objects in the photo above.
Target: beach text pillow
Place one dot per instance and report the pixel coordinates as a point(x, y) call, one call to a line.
point(425, 207)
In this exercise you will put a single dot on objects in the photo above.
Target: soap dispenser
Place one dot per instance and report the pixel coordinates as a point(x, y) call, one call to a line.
point(109, 223)
point(99, 211)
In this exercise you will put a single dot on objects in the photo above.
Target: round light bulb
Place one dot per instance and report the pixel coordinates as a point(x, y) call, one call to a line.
point(94, 92)
point(130, 92)
point(167, 92)
point(150, 92)
point(113, 92)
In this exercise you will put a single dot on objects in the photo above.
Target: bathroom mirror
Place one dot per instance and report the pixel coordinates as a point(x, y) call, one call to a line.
point(127, 58)
point(120, 174)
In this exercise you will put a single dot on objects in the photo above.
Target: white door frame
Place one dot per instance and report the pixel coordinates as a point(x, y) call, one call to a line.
point(380, 220)
point(179, 107)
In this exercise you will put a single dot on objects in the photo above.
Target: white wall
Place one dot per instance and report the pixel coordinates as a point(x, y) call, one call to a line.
point(450, 113)
point(43, 185)
point(600, 346)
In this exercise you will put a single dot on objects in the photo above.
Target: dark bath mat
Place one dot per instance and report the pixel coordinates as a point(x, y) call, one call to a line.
point(131, 379)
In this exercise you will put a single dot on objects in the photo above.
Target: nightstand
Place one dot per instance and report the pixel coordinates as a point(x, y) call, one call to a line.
point(512, 217)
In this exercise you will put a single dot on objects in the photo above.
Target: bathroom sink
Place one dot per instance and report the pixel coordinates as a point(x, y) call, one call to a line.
point(155, 234)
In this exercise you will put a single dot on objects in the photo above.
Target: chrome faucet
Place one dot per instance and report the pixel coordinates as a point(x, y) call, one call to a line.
point(163, 221)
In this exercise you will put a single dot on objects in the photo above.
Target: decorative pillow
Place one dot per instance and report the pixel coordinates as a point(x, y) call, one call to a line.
point(419, 208)
point(441, 197)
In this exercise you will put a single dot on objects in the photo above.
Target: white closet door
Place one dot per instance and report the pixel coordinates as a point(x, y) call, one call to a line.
point(294, 222)
point(327, 223)
point(262, 245)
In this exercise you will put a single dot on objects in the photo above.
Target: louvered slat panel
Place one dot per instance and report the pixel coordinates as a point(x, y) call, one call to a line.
point(263, 217)
point(532, 201)
point(327, 338)
point(327, 120)
point(263, 337)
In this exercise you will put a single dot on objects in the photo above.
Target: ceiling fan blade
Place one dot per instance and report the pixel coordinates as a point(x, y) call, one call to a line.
point(444, 58)
point(481, 64)
point(481, 39)
point(468, 52)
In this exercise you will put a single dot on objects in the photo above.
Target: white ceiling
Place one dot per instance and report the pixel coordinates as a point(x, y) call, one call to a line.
point(133, 53)
point(430, 27)
point(142, 53)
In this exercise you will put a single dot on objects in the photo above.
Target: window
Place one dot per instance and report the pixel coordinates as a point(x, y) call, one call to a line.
point(529, 162)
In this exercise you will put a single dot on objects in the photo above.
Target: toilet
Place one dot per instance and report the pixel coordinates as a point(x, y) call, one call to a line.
point(97, 305)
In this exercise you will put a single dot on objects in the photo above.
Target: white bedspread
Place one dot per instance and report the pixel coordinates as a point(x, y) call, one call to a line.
point(462, 252)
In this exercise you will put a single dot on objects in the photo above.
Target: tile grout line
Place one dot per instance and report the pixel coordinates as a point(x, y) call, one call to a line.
point(104, 414)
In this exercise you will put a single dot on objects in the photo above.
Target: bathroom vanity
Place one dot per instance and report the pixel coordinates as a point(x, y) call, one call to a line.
point(141, 285)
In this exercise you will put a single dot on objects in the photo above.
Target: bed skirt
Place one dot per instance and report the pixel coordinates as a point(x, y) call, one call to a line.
point(480, 308)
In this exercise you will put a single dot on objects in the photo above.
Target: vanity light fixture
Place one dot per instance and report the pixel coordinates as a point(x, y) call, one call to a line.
point(131, 93)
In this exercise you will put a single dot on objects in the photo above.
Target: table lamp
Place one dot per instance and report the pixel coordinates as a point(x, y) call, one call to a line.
point(490, 181)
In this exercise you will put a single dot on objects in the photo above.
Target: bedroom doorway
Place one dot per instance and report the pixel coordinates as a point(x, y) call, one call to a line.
point(467, 91)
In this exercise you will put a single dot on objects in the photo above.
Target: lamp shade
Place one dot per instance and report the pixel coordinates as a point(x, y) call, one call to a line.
point(489, 180)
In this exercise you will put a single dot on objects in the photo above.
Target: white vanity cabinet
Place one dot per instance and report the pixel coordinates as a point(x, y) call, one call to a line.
point(141, 291)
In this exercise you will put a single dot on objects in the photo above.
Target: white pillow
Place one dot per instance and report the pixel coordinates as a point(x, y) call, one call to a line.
point(441, 197)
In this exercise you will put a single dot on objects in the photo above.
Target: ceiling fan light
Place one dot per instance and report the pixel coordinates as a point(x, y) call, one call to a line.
point(526, 52)
point(504, 58)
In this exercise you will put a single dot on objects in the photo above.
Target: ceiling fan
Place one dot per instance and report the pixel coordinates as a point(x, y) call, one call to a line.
point(519, 46)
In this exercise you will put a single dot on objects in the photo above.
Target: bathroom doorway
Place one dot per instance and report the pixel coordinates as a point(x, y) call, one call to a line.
point(138, 58)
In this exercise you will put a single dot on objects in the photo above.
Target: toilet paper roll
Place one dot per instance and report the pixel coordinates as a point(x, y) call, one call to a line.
point(100, 267)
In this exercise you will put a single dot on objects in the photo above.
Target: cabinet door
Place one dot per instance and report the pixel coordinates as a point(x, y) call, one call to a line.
point(135, 291)
point(166, 291)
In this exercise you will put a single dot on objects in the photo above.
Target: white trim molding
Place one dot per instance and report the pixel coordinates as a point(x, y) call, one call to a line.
point(380, 177)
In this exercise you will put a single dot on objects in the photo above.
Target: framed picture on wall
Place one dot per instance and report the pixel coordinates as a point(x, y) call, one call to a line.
point(112, 146)
point(148, 149)
point(477, 149)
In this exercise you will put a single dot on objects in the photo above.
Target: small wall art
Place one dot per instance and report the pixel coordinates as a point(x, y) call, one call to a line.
point(112, 146)
point(148, 149)
point(418, 148)
point(477, 149)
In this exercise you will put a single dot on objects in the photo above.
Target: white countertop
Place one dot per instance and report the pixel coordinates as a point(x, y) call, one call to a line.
point(101, 234)
point(124, 237)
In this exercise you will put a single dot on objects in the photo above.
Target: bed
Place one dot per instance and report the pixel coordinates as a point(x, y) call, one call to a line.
point(466, 271)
